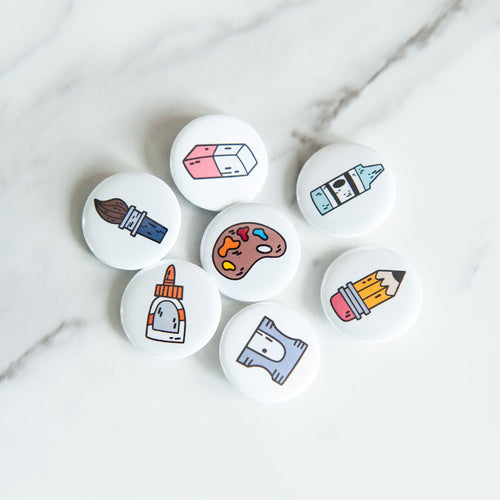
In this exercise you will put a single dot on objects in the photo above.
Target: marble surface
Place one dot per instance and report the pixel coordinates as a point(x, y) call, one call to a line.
point(93, 88)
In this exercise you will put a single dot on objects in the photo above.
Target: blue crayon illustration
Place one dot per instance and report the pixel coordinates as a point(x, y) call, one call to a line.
point(345, 187)
point(116, 211)
point(272, 350)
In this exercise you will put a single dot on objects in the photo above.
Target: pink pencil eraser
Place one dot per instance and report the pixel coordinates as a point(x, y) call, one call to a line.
point(341, 307)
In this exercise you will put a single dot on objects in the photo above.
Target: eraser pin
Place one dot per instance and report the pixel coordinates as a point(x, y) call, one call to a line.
point(211, 161)
point(217, 161)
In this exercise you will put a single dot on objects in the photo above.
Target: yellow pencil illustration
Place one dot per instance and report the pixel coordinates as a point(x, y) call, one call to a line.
point(353, 300)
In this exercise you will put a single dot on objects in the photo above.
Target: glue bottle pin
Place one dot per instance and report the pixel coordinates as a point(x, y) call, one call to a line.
point(167, 318)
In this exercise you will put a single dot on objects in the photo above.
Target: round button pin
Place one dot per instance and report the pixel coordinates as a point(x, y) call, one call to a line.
point(269, 352)
point(345, 189)
point(131, 220)
point(171, 309)
point(218, 160)
point(371, 294)
point(252, 251)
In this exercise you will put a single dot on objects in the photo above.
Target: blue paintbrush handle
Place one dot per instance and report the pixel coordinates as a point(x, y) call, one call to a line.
point(152, 230)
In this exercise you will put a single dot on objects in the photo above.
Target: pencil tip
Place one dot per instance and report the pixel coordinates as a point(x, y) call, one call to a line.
point(399, 275)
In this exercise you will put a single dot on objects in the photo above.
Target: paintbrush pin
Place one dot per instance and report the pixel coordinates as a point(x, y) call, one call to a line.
point(116, 211)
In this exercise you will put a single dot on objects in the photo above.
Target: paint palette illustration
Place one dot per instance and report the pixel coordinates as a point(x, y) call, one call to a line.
point(251, 250)
point(166, 320)
point(345, 187)
point(240, 246)
point(272, 350)
point(213, 161)
point(116, 211)
point(352, 301)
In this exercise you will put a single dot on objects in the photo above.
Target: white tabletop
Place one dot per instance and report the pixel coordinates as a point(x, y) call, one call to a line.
point(89, 89)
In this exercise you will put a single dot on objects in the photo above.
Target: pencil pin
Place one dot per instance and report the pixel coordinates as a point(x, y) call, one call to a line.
point(352, 301)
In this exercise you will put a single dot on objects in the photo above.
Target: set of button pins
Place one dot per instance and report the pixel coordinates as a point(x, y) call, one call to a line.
point(250, 252)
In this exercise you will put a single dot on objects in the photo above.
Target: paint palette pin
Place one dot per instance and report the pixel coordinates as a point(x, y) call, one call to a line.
point(269, 352)
point(131, 220)
point(171, 309)
point(371, 294)
point(345, 189)
point(252, 251)
point(218, 160)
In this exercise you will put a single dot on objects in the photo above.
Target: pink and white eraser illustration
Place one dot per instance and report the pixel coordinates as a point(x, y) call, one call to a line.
point(210, 161)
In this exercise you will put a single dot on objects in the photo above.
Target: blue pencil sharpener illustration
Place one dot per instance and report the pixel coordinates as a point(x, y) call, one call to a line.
point(345, 187)
point(271, 349)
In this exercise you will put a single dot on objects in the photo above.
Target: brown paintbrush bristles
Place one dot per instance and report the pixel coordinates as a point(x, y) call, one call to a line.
point(112, 211)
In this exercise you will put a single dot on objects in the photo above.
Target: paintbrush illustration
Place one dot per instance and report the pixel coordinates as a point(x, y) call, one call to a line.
point(116, 211)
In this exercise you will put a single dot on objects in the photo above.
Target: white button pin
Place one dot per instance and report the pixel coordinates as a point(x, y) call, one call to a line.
point(171, 309)
point(345, 189)
point(252, 251)
point(218, 160)
point(131, 220)
point(269, 352)
point(371, 294)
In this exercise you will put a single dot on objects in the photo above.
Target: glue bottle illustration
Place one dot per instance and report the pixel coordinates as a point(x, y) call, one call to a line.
point(167, 318)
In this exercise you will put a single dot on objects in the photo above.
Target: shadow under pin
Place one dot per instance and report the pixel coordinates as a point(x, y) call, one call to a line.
point(271, 349)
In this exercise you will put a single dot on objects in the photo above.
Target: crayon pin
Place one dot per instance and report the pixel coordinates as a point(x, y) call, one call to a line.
point(345, 187)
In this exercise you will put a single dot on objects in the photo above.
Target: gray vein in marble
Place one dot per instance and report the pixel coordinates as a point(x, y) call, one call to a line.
point(260, 20)
point(140, 62)
point(43, 343)
point(265, 18)
point(48, 38)
point(472, 270)
point(329, 109)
